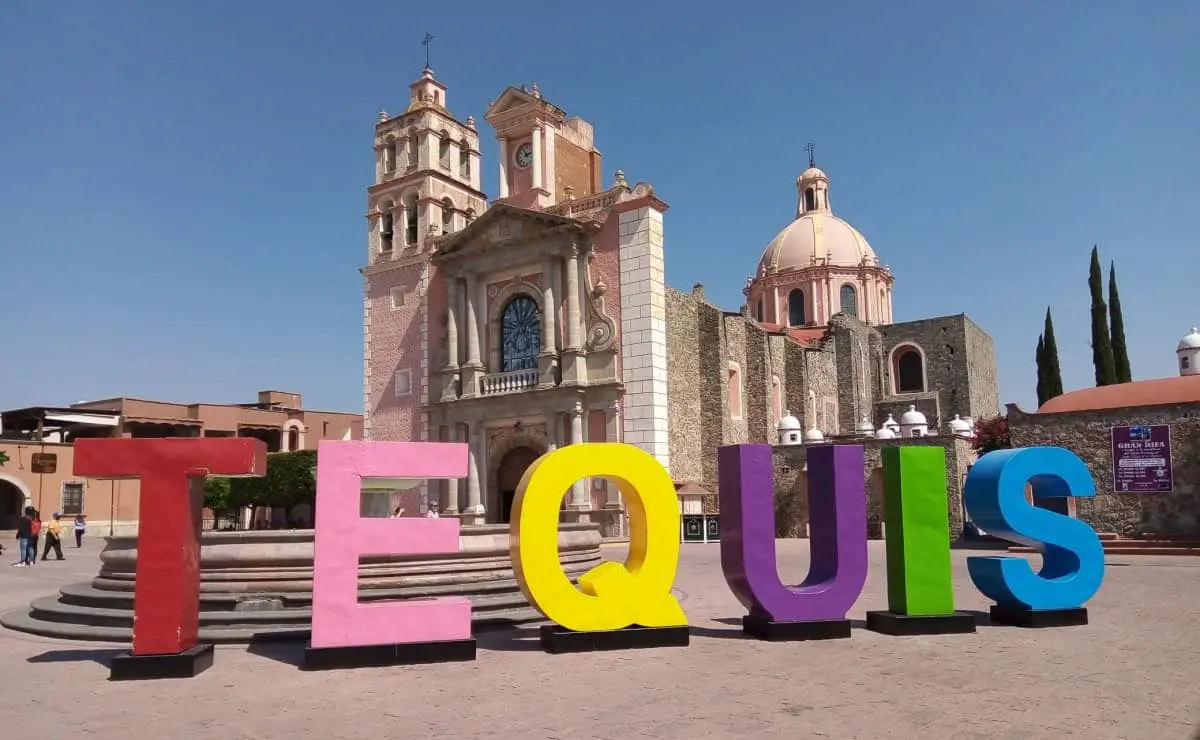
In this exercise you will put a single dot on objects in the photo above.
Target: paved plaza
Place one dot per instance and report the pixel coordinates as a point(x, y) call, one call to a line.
point(1134, 672)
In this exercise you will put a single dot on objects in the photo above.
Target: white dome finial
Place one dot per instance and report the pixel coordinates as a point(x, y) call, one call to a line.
point(1188, 353)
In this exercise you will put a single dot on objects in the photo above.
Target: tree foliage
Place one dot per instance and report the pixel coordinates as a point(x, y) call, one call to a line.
point(991, 434)
point(1041, 371)
point(1102, 351)
point(1117, 328)
point(290, 480)
point(1053, 385)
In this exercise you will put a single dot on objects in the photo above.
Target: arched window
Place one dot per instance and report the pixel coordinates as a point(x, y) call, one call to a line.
point(411, 218)
point(909, 370)
point(520, 334)
point(413, 153)
point(464, 159)
point(758, 311)
point(849, 300)
point(810, 199)
point(293, 439)
point(389, 156)
point(447, 216)
point(796, 308)
point(385, 233)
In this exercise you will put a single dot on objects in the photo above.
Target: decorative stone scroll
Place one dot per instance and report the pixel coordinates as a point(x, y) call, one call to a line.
point(601, 329)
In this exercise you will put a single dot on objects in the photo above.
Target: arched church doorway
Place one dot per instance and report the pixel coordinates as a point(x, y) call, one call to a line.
point(508, 478)
point(12, 501)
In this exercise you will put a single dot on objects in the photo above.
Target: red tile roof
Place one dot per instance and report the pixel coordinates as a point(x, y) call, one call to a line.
point(1158, 392)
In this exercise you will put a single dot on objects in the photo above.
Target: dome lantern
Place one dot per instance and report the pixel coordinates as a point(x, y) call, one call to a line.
point(1188, 352)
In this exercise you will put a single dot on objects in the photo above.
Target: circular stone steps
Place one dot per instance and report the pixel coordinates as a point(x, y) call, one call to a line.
point(260, 596)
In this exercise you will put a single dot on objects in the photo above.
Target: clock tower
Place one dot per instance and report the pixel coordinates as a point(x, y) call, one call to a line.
point(545, 157)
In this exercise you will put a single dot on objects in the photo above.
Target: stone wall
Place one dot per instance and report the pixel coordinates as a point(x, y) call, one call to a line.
point(791, 487)
point(1088, 434)
point(857, 366)
point(960, 367)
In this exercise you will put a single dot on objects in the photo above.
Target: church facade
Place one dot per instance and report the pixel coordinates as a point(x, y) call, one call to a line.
point(543, 318)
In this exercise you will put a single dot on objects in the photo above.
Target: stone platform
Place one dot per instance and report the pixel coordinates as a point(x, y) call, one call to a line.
point(258, 585)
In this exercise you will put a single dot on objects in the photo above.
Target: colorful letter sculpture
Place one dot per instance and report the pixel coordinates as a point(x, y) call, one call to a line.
point(166, 595)
point(1072, 556)
point(620, 606)
point(919, 579)
point(816, 609)
point(346, 633)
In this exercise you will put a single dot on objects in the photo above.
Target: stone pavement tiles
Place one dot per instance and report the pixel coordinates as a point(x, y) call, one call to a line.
point(1134, 672)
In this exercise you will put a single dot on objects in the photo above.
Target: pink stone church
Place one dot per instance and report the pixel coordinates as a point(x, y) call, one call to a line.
point(543, 318)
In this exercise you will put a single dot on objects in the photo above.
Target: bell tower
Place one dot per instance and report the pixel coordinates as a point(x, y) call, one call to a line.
point(426, 185)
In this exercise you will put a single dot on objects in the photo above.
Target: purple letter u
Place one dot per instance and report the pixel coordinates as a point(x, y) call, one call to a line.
point(837, 532)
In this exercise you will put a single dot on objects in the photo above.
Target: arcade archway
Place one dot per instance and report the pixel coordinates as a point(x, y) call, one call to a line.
point(508, 477)
point(12, 500)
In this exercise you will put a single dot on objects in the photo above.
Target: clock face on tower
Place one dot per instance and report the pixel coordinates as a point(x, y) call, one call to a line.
point(524, 156)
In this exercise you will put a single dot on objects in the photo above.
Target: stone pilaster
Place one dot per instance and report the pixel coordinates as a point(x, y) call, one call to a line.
point(474, 512)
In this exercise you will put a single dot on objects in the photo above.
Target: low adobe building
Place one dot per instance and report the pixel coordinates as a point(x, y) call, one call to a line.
point(1141, 441)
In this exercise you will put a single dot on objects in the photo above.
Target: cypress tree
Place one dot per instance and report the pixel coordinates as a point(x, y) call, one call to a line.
point(1042, 373)
point(1102, 353)
point(1053, 385)
point(1117, 327)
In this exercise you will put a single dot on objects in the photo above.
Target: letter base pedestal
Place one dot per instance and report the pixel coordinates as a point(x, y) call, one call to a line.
point(404, 653)
point(891, 623)
point(186, 664)
point(765, 629)
point(1016, 616)
point(557, 639)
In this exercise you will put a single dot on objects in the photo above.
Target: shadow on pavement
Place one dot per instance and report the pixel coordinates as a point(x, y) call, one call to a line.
point(103, 656)
point(509, 639)
point(288, 652)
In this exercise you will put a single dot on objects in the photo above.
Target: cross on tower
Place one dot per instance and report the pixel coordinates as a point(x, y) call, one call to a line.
point(425, 43)
point(810, 149)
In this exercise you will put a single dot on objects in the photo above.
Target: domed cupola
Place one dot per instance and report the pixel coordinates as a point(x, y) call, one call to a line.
point(818, 266)
point(1188, 353)
point(913, 423)
point(789, 429)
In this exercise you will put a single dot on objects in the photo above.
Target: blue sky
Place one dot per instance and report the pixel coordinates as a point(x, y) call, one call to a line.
point(182, 184)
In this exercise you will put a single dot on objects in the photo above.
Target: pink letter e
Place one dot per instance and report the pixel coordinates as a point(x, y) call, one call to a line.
point(342, 537)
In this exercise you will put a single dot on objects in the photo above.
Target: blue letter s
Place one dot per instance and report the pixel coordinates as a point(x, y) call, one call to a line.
point(1072, 556)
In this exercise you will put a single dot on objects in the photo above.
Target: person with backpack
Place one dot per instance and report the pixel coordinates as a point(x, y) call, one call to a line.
point(35, 531)
point(53, 538)
point(24, 532)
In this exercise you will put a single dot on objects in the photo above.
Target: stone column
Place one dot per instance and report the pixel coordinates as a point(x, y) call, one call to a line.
point(474, 509)
point(548, 355)
point(612, 425)
point(449, 373)
point(473, 368)
point(580, 496)
point(452, 485)
point(503, 168)
point(572, 360)
point(572, 269)
point(537, 156)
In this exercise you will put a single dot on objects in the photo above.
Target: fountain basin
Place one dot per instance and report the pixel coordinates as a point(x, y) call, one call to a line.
point(258, 584)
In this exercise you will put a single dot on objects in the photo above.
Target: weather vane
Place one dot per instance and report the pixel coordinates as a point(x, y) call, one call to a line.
point(810, 149)
point(425, 43)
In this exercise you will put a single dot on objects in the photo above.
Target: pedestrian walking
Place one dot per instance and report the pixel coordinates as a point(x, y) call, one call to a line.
point(35, 532)
point(80, 528)
point(54, 537)
point(24, 533)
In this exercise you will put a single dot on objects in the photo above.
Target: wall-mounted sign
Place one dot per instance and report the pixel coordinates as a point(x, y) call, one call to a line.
point(1141, 459)
point(43, 462)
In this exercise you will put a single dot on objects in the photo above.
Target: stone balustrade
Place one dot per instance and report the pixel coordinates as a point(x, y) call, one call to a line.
point(514, 381)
